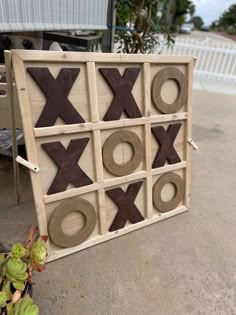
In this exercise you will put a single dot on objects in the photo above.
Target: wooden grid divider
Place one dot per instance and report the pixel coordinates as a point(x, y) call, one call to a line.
point(92, 91)
point(102, 212)
point(112, 182)
point(147, 88)
point(98, 156)
point(102, 125)
point(148, 146)
point(148, 194)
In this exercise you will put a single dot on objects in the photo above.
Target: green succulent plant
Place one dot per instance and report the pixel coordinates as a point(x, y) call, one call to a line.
point(38, 255)
point(18, 250)
point(3, 299)
point(24, 306)
point(16, 272)
point(16, 269)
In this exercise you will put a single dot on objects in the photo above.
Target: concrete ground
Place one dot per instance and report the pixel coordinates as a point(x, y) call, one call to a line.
point(199, 35)
point(181, 266)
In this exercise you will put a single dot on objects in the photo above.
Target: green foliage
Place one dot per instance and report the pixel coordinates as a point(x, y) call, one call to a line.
point(16, 272)
point(3, 299)
point(180, 9)
point(138, 25)
point(228, 18)
point(24, 306)
point(38, 254)
point(231, 30)
point(16, 269)
point(18, 250)
point(197, 22)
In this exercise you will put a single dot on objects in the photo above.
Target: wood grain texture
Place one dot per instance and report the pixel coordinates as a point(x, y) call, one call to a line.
point(127, 208)
point(67, 163)
point(166, 140)
point(56, 92)
point(165, 206)
point(101, 125)
point(108, 152)
point(122, 88)
point(56, 234)
point(169, 73)
point(91, 96)
point(75, 57)
point(188, 135)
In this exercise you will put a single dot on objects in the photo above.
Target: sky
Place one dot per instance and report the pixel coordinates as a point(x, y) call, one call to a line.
point(210, 10)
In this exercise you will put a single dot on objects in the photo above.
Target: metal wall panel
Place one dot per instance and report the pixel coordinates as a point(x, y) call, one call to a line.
point(38, 15)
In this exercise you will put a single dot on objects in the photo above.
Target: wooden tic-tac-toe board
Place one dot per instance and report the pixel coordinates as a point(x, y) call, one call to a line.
point(110, 135)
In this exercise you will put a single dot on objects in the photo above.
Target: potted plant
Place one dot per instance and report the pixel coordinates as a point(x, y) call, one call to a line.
point(17, 266)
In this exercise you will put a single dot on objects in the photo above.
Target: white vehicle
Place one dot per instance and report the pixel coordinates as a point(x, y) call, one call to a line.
point(186, 28)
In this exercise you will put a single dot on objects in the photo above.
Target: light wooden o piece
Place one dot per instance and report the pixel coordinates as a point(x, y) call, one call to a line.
point(165, 206)
point(108, 149)
point(159, 79)
point(56, 234)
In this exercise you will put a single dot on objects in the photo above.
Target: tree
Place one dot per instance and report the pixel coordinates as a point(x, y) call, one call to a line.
point(180, 9)
point(138, 23)
point(191, 9)
point(228, 18)
point(197, 22)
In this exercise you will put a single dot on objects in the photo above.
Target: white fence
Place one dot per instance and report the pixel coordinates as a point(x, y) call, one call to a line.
point(214, 58)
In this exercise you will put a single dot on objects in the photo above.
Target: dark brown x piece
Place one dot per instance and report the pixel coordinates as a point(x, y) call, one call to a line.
point(56, 92)
point(166, 141)
point(127, 208)
point(122, 88)
point(67, 162)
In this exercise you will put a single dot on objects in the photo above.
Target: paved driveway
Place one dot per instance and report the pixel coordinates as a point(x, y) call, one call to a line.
point(181, 266)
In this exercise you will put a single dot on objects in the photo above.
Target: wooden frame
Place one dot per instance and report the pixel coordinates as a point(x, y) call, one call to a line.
point(91, 91)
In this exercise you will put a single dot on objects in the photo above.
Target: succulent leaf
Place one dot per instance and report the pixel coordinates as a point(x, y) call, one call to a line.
point(10, 309)
point(25, 306)
point(16, 270)
point(18, 250)
point(38, 254)
point(19, 285)
point(7, 290)
point(3, 298)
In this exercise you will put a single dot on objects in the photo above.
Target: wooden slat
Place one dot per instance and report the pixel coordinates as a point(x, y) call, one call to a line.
point(112, 182)
point(148, 193)
point(148, 146)
point(157, 218)
point(92, 90)
point(98, 155)
point(147, 88)
point(52, 56)
point(188, 135)
point(32, 155)
point(102, 212)
point(102, 125)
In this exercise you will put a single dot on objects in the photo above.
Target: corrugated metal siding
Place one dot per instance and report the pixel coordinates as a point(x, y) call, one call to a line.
point(38, 15)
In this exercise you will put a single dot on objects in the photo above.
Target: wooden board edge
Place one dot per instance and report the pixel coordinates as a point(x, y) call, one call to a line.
point(188, 135)
point(102, 125)
point(52, 56)
point(112, 182)
point(100, 239)
point(31, 148)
